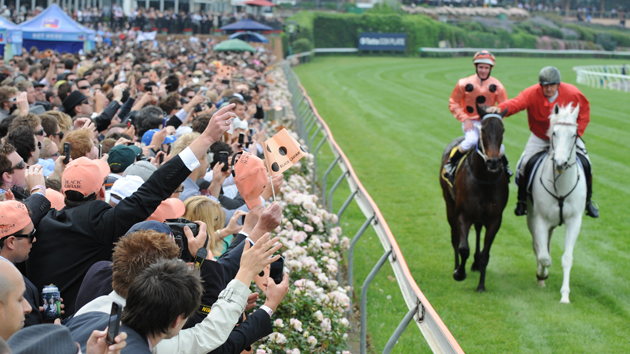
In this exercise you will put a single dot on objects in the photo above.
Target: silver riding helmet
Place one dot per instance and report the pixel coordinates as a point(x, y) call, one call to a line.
point(549, 75)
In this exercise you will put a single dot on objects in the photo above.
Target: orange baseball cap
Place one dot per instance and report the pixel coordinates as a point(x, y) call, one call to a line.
point(84, 176)
point(250, 177)
point(56, 199)
point(171, 208)
point(13, 217)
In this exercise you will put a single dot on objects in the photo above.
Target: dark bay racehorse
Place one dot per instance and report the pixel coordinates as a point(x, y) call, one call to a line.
point(479, 195)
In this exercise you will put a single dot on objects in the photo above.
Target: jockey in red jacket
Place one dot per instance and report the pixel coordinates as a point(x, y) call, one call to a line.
point(539, 101)
point(479, 88)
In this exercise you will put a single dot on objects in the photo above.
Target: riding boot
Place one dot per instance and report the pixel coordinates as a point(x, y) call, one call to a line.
point(591, 207)
point(451, 166)
point(521, 204)
point(507, 167)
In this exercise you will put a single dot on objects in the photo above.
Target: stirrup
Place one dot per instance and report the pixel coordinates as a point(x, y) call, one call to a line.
point(592, 209)
point(521, 208)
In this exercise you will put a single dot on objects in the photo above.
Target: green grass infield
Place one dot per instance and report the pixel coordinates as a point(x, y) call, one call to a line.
point(390, 116)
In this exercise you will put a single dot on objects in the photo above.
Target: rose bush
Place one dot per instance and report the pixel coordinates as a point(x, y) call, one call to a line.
point(311, 318)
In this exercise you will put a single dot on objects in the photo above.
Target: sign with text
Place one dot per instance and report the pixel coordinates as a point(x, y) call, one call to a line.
point(383, 41)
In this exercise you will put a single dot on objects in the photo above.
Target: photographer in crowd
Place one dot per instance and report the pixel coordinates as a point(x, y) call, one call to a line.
point(140, 104)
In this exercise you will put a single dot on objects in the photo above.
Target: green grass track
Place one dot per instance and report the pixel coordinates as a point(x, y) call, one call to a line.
point(390, 116)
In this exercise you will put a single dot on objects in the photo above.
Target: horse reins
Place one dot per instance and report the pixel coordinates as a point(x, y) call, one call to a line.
point(555, 179)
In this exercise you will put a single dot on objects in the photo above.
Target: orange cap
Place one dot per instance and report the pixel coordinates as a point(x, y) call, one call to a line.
point(84, 176)
point(13, 217)
point(55, 198)
point(171, 208)
point(250, 177)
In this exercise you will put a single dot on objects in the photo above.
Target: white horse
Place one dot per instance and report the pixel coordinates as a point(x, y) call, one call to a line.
point(559, 195)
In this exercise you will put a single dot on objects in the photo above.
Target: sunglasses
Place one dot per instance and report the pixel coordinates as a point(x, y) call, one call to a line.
point(19, 166)
point(84, 87)
point(60, 135)
point(39, 145)
point(30, 235)
point(40, 132)
point(190, 97)
point(86, 102)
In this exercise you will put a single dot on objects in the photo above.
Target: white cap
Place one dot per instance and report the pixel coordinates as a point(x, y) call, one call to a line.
point(124, 187)
point(182, 129)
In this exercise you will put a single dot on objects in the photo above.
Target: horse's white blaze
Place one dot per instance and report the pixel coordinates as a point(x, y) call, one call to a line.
point(544, 215)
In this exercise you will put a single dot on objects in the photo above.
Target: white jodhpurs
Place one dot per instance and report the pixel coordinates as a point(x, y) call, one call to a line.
point(536, 144)
point(472, 137)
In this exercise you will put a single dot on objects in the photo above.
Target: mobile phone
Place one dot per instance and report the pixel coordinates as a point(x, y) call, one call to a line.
point(276, 272)
point(241, 138)
point(128, 124)
point(160, 158)
point(100, 150)
point(225, 82)
point(66, 152)
point(243, 219)
point(223, 158)
point(164, 123)
point(114, 322)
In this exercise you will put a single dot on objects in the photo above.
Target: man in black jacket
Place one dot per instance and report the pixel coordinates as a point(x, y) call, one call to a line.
point(83, 233)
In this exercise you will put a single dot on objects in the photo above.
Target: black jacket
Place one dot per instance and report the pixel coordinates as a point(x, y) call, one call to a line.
point(69, 241)
point(105, 119)
point(81, 328)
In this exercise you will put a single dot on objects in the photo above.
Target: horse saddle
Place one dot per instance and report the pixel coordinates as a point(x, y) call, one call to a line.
point(531, 167)
point(451, 186)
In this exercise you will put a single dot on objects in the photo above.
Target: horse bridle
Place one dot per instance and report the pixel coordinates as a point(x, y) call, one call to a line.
point(482, 153)
point(555, 179)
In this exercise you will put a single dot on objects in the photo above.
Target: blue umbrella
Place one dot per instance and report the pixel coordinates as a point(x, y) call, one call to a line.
point(246, 25)
point(250, 37)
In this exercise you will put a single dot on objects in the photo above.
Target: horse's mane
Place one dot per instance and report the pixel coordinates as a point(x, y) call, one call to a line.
point(563, 114)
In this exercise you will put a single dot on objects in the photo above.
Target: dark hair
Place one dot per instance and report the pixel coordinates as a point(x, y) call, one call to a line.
point(200, 123)
point(49, 123)
point(63, 91)
point(5, 124)
point(185, 91)
point(50, 92)
point(53, 184)
point(159, 294)
point(172, 83)
point(117, 136)
point(74, 199)
point(6, 149)
point(170, 102)
point(237, 101)
point(68, 64)
point(23, 139)
point(149, 117)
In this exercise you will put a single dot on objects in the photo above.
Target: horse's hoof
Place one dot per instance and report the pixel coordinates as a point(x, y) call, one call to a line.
point(565, 300)
point(541, 283)
point(459, 276)
point(474, 267)
point(481, 289)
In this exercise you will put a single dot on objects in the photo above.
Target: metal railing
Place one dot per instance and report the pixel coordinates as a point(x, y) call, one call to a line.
point(309, 125)
point(524, 51)
point(613, 77)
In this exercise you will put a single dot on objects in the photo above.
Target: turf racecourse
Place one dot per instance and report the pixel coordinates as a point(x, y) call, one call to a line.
point(391, 118)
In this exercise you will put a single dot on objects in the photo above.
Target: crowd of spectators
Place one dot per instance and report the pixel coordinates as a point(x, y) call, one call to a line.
point(114, 21)
point(146, 129)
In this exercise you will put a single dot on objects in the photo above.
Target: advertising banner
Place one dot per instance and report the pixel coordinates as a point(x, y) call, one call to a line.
point(383, 41)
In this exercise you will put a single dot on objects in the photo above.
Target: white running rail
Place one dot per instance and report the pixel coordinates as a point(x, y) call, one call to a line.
point(613, 77)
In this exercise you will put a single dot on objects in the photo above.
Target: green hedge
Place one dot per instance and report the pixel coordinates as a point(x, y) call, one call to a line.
point(335, 30)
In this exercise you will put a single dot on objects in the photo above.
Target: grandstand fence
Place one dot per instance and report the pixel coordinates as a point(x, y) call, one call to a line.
point(310, 126)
